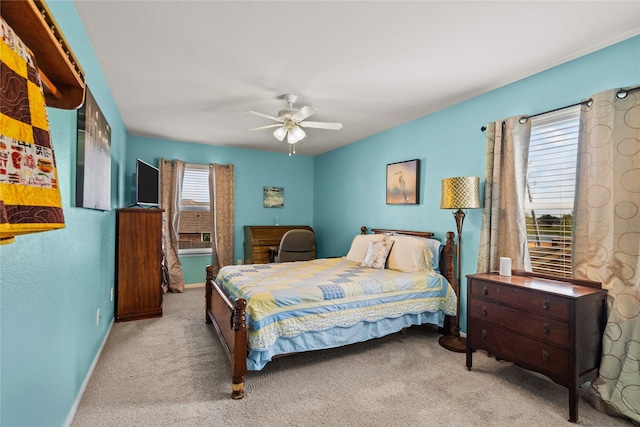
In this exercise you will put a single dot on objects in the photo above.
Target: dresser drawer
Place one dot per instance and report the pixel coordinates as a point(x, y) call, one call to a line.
point(543, 304)
point(524, 351)
point(544, 329)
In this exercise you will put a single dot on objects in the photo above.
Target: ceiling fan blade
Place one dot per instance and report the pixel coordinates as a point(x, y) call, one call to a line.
point(321, 125)
point(267, 126)
point(266, 116)
point(303, 113)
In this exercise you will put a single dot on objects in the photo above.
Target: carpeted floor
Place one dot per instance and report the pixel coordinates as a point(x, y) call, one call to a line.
point(172, 371)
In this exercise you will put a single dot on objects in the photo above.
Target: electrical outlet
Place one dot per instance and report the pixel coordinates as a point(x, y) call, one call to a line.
point(240, 262)
point(111, 294)
point(98, 317)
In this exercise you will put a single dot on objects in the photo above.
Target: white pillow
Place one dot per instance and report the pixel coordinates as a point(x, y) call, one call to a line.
point(410, 255)
point(436, 249)
point(376, 255)
point(359, 246)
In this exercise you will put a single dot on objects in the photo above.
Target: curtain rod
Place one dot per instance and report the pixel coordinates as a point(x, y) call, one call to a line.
point(622, 93)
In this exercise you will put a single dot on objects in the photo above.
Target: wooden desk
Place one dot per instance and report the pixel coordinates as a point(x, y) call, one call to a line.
point(553, 327)
point(258, 239)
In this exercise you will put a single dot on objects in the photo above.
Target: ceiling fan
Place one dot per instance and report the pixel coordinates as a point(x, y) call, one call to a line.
point(291, 122)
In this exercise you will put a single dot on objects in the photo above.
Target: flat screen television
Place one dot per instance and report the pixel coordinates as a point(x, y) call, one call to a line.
point(147, 184)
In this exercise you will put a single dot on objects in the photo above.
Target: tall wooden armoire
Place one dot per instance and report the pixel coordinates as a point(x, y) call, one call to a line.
point(139, 264)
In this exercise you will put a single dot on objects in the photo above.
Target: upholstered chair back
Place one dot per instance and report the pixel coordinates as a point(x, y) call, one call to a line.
point(296, 245)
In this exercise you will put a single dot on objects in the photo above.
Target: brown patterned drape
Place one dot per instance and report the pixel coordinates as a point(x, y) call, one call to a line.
point(171, 178)
point(607, 240)
point(503, 232)
point(221, 197)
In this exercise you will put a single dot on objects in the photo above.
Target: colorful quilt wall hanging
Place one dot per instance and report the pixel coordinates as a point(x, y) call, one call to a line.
point(30, 198)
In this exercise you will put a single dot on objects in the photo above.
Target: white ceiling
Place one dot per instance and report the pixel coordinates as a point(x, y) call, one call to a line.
point(186, 70)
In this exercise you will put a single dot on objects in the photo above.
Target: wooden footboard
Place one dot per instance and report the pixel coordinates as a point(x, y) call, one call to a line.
point(229, 318)
point(230, 322)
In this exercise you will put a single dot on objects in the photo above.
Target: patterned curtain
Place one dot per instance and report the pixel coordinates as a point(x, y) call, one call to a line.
point(171, 178)
point(607, 240)
point(221, 197)
point(503, 232)
point(30, 199)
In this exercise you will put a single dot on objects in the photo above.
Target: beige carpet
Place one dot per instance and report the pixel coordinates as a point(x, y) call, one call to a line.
point(172, 371)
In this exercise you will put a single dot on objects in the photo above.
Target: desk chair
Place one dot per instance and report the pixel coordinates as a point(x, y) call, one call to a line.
point(296, 245)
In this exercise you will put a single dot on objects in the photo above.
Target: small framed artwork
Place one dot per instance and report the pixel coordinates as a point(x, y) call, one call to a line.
point(273, 197)
point(402, 182)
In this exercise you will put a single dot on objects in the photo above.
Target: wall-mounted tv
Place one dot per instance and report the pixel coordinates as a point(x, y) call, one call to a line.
point(147, 184)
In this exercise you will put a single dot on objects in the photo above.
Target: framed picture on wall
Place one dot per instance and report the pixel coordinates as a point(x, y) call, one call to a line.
point(273, 197)
point(93, 164)
point(402, 182)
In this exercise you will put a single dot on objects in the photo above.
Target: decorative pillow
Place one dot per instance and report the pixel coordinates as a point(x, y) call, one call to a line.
point(377, 253)
point(410, 255)
point(360, 244)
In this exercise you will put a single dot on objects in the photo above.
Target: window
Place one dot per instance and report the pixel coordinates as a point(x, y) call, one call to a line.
point(194, 228)
point(550, 190)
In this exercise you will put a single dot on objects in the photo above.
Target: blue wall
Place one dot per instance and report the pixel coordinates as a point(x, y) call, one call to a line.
point(53, 283)
point(349, 182)
point(253, 171)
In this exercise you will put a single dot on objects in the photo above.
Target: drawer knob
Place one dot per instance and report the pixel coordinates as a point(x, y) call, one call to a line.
point(485, 291)
point(545, 304)
point(545, 355)
point(484, 311)
point(484, 333)
point(545, 328)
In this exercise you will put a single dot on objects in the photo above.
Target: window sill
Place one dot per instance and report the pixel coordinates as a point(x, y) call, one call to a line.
point(194, 252)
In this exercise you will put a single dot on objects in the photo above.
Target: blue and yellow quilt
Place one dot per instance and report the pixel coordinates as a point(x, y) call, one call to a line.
point(289, 300)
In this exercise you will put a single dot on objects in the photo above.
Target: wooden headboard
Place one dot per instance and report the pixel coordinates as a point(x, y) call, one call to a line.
point(447, 258)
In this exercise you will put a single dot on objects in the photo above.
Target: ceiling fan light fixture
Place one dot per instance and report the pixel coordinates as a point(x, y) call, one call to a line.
point(292, 139)
point(280, 133)
point(297, 132)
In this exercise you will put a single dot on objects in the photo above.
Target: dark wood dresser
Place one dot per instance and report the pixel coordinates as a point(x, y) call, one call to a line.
point(258, 239)
point(551, 326)
point(139, 264)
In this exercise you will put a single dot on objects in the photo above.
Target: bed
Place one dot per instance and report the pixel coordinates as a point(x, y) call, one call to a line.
point(389, 280)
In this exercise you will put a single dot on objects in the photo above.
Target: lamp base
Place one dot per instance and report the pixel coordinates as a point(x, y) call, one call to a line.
point(453, 343)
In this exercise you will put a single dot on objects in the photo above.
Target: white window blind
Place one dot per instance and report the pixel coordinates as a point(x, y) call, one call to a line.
point(550, 190)
point(195, 222)
point(195, 187)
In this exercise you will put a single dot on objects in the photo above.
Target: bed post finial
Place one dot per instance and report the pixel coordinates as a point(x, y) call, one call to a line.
point(363, 229)
point(449, 254)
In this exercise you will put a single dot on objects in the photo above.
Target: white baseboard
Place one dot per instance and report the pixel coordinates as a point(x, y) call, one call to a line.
point(194, 285)
point(76, 404)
